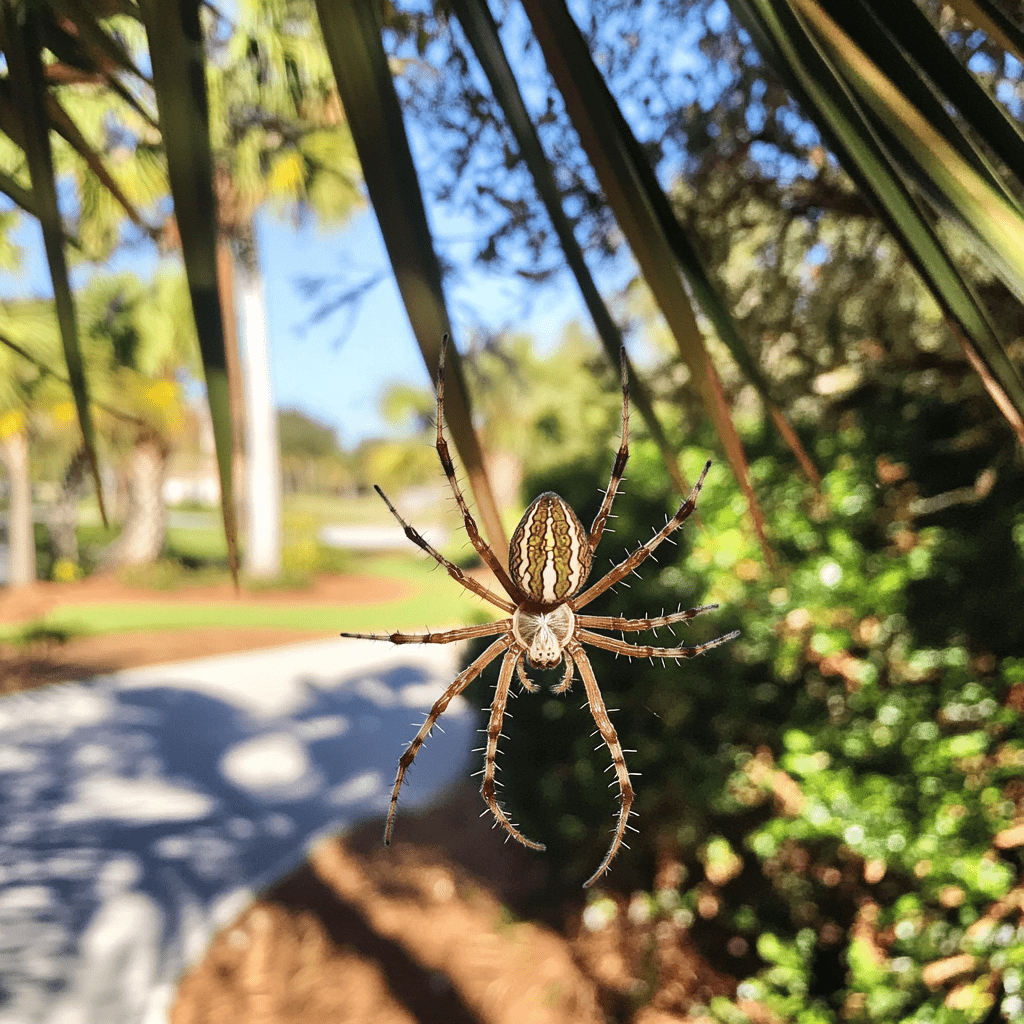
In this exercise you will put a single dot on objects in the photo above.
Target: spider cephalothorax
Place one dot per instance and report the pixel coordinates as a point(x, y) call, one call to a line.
point(550, 558)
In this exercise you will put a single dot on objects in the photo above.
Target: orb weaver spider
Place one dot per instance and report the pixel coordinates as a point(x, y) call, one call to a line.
point(550, 558)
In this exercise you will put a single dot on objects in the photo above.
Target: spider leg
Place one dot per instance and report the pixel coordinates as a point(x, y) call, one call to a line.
point(619, 466)
point(637, 651)
point(493, 732)
point(482, 547)
point(566, 684)
point(461, 681)
point(611, 739)
point(628, 565)
point(635, 625)
point(452, 569)
point(448, 637)
point(527, 683)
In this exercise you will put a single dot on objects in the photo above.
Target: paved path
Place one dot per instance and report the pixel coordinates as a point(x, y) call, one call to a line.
point(140, 811)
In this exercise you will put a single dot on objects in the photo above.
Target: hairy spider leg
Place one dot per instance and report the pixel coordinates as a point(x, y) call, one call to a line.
point(490, 761)
point(566, 684)
point(450, 567)
point(447, 637)
point(525, 681)
point(482, 547)
point(647, 622)
point(609, 643)
point(461, 681)
point(611, 740)
point(628, 565)
point(621, 458)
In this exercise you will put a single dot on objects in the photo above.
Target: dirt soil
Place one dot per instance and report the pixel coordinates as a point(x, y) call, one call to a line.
point(437, 928)
point(79, 657)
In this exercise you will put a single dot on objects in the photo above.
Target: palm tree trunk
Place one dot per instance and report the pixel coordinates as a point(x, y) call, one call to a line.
point(20, 530)
point(262, 558)
point(145, 525)
point(63, 517)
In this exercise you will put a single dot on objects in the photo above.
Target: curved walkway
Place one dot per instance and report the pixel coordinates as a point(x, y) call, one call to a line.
point(140, 811)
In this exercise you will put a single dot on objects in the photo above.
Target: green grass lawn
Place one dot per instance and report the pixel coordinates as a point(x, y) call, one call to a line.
point(436, 600)
point(197, 554)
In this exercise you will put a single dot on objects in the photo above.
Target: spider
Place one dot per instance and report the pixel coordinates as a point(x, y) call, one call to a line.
point(550, 558)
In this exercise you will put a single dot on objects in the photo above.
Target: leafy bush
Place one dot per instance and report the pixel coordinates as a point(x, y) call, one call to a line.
point(844, 784)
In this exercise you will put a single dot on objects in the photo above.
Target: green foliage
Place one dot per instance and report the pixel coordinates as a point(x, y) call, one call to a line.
point(835, 778)
point(304, 438)
point(41, 634)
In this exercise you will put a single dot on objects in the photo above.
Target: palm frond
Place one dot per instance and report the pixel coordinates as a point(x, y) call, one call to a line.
point(23, 49)
point(179, 79)
point(352, 33)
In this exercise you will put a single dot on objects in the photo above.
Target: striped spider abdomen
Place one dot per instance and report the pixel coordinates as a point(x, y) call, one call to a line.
point(550, 556)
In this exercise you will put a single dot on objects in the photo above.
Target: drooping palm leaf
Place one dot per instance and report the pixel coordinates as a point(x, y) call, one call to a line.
point(179, 79)
point(993, 22)
point(23, 198)
point(482, 33)
point(941, 169)
point(352, 33)
point(101, 47)
point(797, 55)
point(29, 92)
point(613, 153)
point(908, 50)
point(46, 370)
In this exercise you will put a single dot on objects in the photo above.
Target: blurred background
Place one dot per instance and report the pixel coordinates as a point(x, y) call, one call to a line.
point(221, 312)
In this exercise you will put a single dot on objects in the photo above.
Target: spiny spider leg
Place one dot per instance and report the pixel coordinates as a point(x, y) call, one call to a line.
point(635, 625)
point(609, 643)
point(452, 569)
point(624, 568)
point(619, 467)
point(483, 549)
point(448, 637)
point(493, 732)
point(461, 681)
point(611, 739)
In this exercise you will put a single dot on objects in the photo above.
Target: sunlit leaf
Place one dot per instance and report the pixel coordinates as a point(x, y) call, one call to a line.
point(612, 152)
point(352, 35)
point(29, 91)
point(176, 50)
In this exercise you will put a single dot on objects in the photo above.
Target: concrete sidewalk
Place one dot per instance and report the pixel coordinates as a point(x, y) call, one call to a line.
point(140, 811)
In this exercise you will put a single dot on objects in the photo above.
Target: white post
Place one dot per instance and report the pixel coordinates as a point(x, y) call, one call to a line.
point(262, 558)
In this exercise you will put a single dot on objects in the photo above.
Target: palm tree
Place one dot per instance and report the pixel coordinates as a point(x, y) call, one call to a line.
point(280, 140)
point(20, 533)
point(140, 342)
point(27, 345)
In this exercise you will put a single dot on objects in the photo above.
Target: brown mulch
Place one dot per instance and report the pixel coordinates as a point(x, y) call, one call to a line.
point(421, 932)
point(23, 604)
point(42, 663)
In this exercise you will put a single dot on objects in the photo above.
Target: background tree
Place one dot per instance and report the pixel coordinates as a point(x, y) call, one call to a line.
point(280, 142)
point(146, 343)
point(310, 456)
point(30, 328)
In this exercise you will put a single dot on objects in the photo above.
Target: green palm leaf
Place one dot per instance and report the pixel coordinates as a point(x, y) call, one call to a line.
point(29, 92)
point(482, 33)
point(352, 33)
point(798, 55)
point(646, 219)
point(179, 79)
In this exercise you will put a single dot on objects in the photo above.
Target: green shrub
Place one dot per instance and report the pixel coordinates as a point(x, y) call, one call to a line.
point(838, 776)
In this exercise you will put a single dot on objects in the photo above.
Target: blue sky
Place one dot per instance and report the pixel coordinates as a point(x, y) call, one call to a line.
point(340, 381)
point(341, 384)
